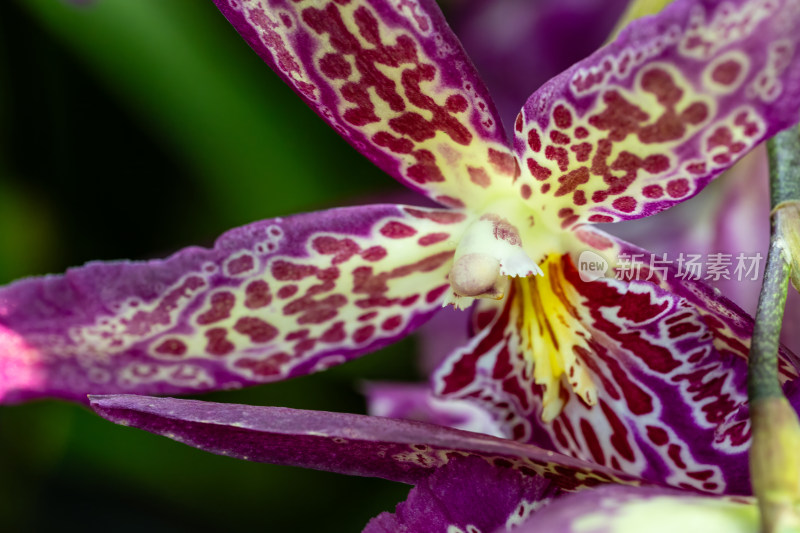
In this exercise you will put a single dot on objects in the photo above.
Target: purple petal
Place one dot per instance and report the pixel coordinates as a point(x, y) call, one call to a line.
point(649, 120)
point(274, 299)
point(393, 80)
point(616, 509)
point(416, 401)
point(666, 372)
point(517, 45)
point(467, 494)
point(361, 445)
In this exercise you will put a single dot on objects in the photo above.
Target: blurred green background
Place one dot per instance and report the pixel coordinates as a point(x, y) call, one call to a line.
point(130, 129)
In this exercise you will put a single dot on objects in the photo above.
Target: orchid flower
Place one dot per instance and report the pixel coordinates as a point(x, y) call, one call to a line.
point(462, 481)
point(622, 372)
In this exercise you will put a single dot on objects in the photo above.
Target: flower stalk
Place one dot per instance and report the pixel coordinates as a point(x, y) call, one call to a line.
point(774, 461)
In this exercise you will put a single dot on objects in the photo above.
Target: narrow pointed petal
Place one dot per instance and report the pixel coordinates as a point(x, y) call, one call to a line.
point(649, 120)
point(659, 381)
point(615, 509)
point(397, 450)
point(393, 80)
point(416, 401)
point(468, 494)
point(272, 300)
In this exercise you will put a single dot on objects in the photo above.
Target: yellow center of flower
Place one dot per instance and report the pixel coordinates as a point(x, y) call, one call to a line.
point(552, 334)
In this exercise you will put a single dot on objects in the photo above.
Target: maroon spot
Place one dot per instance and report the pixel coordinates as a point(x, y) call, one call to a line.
point(701, 475)
point(679, 330)
point(678, 188)
point(217, 343)
point(367, 316)
point(726, 72)
point(335, 333)
point(653, 191)
point(335, 67)
point(479, 177)
point(439, 216)
point(503, 162)
point(409, 300)
point(570, 182)
point(256, 329)
point(398, 145)
point(696, 113)
point(545, 188)
point(696, 168)
point(582, 151)
point(257, 294)
point(426, 170)
point(374, 253)
point(657, 435)
point(600, 218)
point(297, 335)
point(559, 138)
point(722, 159)
point(432, 238)
point(240, 264)
point(285, 271)
point(456, 103)
point(569, 221)
point(592, 442)
point(221, 305)
point(363, 334)
point(619, 435)
point(287, 291)
point(397, 230)
point(525, 190)
point(661, 84)
point(393, 322)
point(562, 117)
point(435, 294)
point(559, 155)
point(539, 172)
point(655, 163)
point(626, 204)
point(518, 123)
point(449, 201)
point(341, 249)
point(620, 117)
point(270, 366)
point(579, 198)
point(674, 452)
point(171, 347)
point(534, 141)
point(581, 132)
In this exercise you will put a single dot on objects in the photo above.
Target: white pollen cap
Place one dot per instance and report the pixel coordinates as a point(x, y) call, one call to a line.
point(474, 274)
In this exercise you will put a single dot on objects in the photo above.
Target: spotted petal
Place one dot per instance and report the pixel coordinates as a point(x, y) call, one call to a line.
point(397, 450)
point(620, 372)
point(274, 299)
point(649, 120)
point(393, 80)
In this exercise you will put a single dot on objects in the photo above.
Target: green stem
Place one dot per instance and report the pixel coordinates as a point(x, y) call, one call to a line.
point(762, 379)
point(784, 167)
